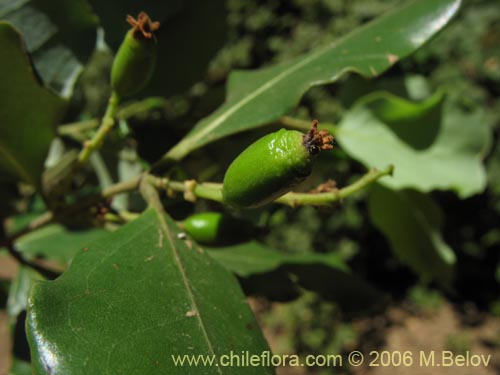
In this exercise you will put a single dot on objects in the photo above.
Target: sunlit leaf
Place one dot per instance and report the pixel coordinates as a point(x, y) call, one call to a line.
point(255, 98)
point(432, 144)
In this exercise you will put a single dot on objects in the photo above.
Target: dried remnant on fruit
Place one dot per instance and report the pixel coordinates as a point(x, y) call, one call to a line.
point(135, 60)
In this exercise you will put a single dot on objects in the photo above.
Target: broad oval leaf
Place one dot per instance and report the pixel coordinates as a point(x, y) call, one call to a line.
point(258, 97)
point(130, 302)
point(411, 222)
point(432, 144)
point(28, 113)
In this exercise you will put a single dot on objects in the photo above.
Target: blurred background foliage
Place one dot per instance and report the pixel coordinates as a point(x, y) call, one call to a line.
point(202, 44)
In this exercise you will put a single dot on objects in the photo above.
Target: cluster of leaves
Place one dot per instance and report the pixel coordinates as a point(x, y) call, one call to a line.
point(143, 292)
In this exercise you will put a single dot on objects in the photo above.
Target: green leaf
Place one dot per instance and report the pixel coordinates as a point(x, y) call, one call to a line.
point(255, 98)
point(279, 276)
point(252, 258)
point(432, 144)
point(20, 367)
point(28, 113)
point(411, 222)
point(55, 242)
point(60, 36)
point(134, 299)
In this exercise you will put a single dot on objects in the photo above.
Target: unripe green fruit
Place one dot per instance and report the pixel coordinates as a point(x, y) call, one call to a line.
point(272, 166)
point(215, 228)
point(135, 60)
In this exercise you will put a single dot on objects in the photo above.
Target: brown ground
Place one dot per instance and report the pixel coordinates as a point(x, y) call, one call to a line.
point(5, 344)
point(401, 329)
point(8, 270)
point(441, 330)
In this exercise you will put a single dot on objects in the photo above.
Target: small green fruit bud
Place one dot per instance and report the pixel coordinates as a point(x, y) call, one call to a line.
point(215, 228)
point(272, 166)
point(135, 60)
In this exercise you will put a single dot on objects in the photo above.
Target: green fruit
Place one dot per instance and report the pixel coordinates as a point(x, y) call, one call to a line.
point(135, 60)
point(215, 228)
point(272, 166)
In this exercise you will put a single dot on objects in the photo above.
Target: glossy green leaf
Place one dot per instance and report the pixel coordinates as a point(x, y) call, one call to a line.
point(252, 258)
point(60, 36)
point(411, 222)
point(55, 242)
point(432, 144)
point(255, 98)
point(28, 113)
point(134, 299)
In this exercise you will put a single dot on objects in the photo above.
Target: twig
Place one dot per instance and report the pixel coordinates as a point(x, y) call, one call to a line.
point(124, 112)
point(328, 198)
point(107, 123)
point(49, 217)
point(49, 274)
point(213, 191)
point(143, 106)
point(39, 222)
point(206, 190)
point(122, 187)
point(77, 127)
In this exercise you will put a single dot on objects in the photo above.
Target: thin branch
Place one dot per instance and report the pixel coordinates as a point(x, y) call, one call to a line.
point(124, 112)
point(39, 222)
point(49, 274)
point(329, 198)
point(49, 217)
point(190, 188)
point(107, 123)
point(122, 187)
point(213, 191)
point(77, 127)
point(141, 107)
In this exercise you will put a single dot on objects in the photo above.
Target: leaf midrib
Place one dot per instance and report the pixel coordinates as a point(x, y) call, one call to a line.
point(261, 89)
point(165, 228)
point(207, 129)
